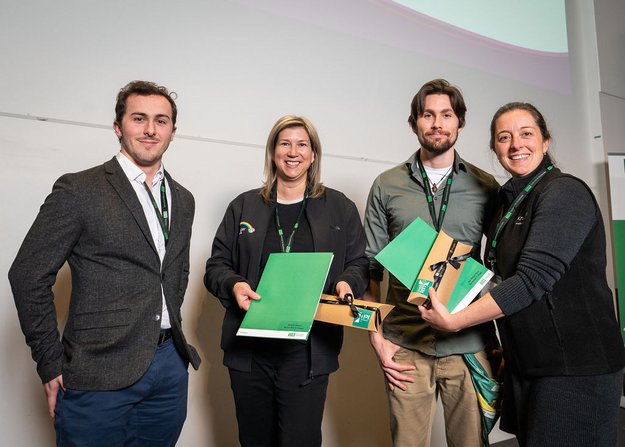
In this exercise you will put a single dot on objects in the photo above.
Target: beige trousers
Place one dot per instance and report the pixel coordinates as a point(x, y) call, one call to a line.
point(412, 411)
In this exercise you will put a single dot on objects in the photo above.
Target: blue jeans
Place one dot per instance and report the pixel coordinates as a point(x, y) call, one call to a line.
point(150, 412)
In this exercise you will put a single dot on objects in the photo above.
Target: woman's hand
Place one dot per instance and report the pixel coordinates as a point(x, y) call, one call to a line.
point(437, 315)
point(342, 288)
point(244, 295)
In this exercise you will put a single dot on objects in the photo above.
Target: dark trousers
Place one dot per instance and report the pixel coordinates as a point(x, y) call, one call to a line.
point(275, 404)
point(150, 412)
point(562, 411)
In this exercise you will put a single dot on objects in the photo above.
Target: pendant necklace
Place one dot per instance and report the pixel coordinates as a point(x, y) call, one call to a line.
point(438, 222)
point(435, 185)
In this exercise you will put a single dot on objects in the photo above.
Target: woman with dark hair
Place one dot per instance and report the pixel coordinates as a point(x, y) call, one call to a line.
point(563, 352)
point(279, 386)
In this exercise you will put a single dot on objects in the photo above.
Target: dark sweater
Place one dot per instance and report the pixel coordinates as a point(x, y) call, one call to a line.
point(237, 249)
point(551, 256)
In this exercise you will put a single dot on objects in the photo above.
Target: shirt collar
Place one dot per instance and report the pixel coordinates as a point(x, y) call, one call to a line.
point(134, 172)
point(413, 167)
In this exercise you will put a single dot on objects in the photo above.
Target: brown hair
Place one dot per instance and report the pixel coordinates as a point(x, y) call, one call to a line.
point(437, 87)
point(143, 88)
point(538, 118)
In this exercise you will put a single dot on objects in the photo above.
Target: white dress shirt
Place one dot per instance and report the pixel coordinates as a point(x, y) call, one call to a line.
point(137, 178)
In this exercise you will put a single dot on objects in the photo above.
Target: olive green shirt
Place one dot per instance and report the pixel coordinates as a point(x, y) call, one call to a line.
point(397, 198)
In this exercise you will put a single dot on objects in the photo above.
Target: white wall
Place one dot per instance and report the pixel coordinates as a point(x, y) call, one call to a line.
point(611, 56)
point(610, 44)
point(352, 67)
point(609, 16)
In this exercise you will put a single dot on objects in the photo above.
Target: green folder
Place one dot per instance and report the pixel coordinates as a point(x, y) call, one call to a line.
point(290, 288)
point(472, 280)
point(404, 256)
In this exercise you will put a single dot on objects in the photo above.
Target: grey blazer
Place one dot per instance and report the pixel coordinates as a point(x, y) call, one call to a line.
point(94, 221)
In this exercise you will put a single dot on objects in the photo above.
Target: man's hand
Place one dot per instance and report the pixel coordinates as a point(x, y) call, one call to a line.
point(51, 389)
point(385, 350)
point(244, 295)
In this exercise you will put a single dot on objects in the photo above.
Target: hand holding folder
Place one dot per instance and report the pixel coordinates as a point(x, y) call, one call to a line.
point(334, 310)
point(290, 288)
point(420, 258)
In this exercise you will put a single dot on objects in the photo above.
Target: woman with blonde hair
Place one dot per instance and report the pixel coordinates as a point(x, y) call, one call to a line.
point(279, 386)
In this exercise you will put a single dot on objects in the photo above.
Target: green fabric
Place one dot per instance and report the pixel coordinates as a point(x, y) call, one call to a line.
point(619, 260)
point(487, 390)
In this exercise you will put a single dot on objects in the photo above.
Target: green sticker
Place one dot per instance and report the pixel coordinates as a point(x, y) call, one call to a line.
point(422, 286)
point(364, 318)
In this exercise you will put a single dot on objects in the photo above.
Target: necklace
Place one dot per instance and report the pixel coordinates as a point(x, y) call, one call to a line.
point(437, 222)
point(435, 185)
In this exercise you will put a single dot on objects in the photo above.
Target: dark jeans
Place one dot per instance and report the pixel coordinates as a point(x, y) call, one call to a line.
point(150, 412)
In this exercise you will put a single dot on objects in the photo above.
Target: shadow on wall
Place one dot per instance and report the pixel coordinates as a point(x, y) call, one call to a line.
point(218, 401)
point(356, 408)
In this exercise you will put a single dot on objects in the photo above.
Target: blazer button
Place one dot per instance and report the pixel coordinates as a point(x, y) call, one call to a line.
point(157, 317)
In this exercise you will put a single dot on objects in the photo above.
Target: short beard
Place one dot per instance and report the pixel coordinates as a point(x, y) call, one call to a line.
point(436, 149)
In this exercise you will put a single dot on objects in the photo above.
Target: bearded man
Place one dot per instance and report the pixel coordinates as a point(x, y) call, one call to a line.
point(435, 184)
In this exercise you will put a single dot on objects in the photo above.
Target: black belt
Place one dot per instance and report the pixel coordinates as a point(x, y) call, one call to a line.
point(164, 335)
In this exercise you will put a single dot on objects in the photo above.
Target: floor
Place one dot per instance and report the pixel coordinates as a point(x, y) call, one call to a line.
point(620, 440)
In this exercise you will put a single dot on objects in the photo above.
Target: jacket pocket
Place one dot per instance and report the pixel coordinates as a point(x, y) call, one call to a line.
point(101, 319)
point(535, 339)
point(551, 305)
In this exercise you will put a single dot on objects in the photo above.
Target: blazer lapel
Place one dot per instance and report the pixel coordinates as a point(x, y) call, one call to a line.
point(118, 180)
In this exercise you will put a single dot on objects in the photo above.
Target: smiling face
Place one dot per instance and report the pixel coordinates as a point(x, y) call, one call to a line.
point(519, 143)
point(438, 126)
point(293, 155)
point(145, 130)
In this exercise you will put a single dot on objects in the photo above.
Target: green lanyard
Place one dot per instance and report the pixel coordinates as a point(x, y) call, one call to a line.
point(438, 223)
point(506, 217)
point(287, 248)
point(163, 217)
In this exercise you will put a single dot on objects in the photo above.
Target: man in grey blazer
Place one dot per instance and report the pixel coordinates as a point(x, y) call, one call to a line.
point(119, 375)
